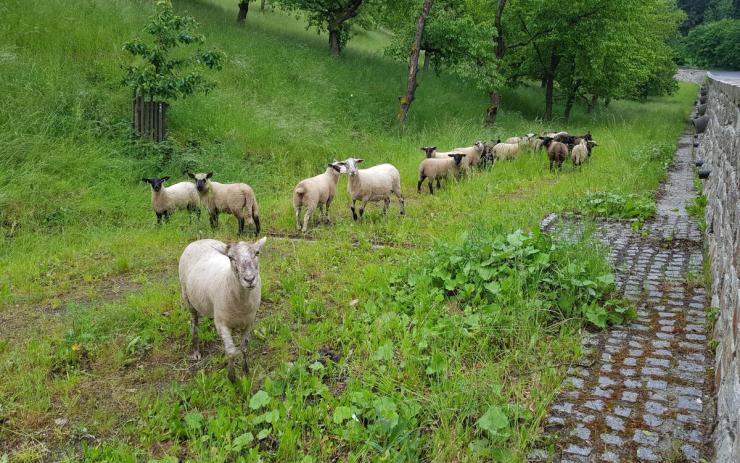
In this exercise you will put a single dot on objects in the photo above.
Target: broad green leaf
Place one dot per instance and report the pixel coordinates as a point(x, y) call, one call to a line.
point(494, 420)
point(259, 400)
point(341, 414)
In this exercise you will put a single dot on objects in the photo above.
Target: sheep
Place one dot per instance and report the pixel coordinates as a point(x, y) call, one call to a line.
point(505, 151)
point(316, 191)
point(487, 157)
point(166, 200)
point(432, 169)
point(590, 145)
point(372, 184)
point(557, 152)
point(579, 154)
point(236, 199)
point(222, 281)
point(472, 155)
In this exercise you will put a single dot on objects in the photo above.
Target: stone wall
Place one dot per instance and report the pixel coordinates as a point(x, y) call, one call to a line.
point(719, 147)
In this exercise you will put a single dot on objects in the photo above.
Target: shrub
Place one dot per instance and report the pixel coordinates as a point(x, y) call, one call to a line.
point(715, 44)
point(617, 205)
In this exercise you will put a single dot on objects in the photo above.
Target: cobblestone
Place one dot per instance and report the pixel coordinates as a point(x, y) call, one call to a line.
point(646, 387)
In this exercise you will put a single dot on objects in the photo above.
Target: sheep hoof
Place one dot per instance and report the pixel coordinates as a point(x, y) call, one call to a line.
point(196, 356)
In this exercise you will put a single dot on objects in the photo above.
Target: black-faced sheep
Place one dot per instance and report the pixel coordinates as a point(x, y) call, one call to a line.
point(166, 200)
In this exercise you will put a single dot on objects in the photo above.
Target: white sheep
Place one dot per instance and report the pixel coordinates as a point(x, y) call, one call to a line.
point(373, 184)
point(436, 169)
point(317, 191)
point(166, 200)
point(506, 151)
point(222, 282)
point(472, 155)
point(236, 199)
point(432, 153)
point(579, 154)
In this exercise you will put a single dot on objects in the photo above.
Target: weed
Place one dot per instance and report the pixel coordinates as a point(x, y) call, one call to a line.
point(617, 205)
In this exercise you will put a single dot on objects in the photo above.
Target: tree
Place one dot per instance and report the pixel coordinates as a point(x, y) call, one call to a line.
point(406, 100)
point(157, 74)
point(716, 44)
point(243, 11)
point(331, 16)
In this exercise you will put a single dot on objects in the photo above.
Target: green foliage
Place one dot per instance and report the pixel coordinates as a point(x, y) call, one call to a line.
point(715, 44)
point(161, 72)
point(487, 275)
point(617, 205)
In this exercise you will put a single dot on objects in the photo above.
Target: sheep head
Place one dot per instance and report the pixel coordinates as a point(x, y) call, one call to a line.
point(429, 150)
point(351, 164)
point(202, 181)
point(338, 167)
point(245, 264)
point(155, 182)
point(457, 157)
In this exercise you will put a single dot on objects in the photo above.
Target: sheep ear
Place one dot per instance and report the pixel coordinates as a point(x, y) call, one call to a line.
point(146, 180)
point(165, 178)
point(209, 175)
point(257, 245)
point(357, 161)
point(191, 175)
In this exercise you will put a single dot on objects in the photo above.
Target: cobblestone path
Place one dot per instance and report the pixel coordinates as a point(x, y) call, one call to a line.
point(642, 391)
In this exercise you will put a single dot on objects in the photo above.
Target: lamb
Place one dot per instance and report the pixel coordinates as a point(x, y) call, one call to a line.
point(236, 199)
point(557, 152)
point(472, 154)
point(433, 168)
point(372, 184)
point(316, 191)
point(505, 151)
point(222, 281)
point(579, 153)
point(166, 200)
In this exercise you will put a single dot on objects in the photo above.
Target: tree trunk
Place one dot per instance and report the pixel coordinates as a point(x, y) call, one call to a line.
point(606, 102)
point(335, 41)
point(592, 104)
point(406, 100)
point(492, 111)
point(549, 82)
point(243, 10)
point(262, 6)
point(426, 60)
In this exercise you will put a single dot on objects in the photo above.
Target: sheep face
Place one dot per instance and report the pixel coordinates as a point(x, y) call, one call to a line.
point(351, 164)
point(590, 145)
point(245, 264)
point(479, 145)
point(338, 166)
point(546, 141)
point(201, 181)
point(156, 183)
point(429, 150)
point(457, 157)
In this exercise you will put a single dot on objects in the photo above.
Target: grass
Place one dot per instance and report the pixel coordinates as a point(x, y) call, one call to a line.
point(93, 340)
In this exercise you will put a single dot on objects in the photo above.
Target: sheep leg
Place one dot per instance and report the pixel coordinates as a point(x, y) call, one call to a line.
point(321, 214)
point(328, 203)
point(256, 219)
point(166, 217)
point(401, 201)
point(244, 344)
point(241, 225)
point(386, 203)
point(431, 186)
point(550, 165)
point(194, 317)
point(231, 350)
point(159, 218)
point(298, 217)
point(352, 208)
point(421, 180)
point(214, 220)
point(438, 185)
point(306, 218)
point(362, 208)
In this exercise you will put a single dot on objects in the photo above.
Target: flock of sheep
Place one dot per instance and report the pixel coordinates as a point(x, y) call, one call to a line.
point(222, 281)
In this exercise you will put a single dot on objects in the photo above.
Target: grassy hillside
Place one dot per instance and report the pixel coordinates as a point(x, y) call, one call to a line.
point(92, 334)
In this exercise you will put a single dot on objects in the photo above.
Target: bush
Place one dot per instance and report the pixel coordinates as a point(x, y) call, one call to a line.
point(617, 205)
point(715, 44)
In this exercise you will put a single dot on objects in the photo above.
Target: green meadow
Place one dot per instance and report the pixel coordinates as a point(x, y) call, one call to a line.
point(358, 354)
